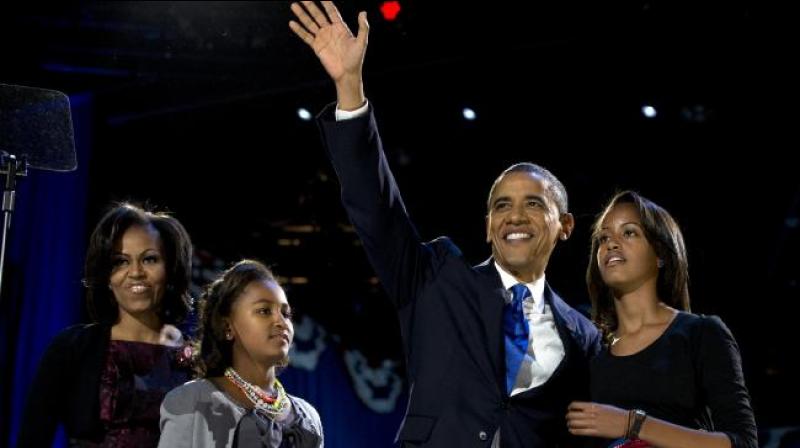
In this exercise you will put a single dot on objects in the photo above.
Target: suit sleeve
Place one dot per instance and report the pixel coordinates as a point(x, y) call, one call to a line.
point(372, 200)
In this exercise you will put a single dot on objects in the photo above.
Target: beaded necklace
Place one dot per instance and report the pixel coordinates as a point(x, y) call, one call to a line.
point(274, 406)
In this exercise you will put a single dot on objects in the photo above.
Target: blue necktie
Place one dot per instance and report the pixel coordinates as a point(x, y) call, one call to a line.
point(515, 329)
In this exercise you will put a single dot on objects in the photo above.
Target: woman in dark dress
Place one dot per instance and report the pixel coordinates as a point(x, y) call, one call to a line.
point(666, 377)
point(105, 381)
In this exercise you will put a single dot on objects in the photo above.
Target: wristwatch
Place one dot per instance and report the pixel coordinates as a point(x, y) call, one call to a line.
point(638, 418)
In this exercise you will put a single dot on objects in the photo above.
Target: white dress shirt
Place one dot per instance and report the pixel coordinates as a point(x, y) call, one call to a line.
point(545, 349)
point(341, 115)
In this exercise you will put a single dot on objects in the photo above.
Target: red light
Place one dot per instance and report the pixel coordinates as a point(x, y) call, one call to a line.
point(390, 10)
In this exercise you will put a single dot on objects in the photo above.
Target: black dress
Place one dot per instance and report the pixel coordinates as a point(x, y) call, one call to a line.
point(690, 376)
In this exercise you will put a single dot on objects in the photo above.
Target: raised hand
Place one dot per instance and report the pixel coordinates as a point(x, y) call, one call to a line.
point(341, 53)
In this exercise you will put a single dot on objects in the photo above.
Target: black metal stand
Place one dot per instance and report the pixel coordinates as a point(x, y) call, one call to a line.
point(12, 167)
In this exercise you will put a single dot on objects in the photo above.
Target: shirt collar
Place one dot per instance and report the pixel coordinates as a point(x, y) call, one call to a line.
point(536, 287)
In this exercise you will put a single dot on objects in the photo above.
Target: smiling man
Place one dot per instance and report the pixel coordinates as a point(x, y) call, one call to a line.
point(494, 355)
point(527, 215)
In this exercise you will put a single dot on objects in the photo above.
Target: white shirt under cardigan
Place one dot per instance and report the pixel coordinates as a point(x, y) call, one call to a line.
point(545, 349)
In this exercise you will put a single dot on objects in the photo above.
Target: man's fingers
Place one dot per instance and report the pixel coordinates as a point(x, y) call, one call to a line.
point(301, 32)
point(317, 14)
point(363, 28)
point(304, 18)
point(333, 13)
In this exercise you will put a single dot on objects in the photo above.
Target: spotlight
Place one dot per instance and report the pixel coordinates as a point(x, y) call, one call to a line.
point(469, 114)
point(649, 111)
point(304, 114)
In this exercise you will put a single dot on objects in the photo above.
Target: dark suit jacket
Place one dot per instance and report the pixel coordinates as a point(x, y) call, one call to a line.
point(451, 316)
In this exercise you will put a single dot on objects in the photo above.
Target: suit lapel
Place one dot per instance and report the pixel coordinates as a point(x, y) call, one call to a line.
point(565, 324)
point(491, 301)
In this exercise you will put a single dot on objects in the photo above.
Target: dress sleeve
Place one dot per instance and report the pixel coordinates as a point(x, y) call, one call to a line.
point(177, 418)
point(723, 388)
point(318, 423)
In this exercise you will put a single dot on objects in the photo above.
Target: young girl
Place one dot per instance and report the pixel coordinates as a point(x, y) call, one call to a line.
point(239, 402)
point(667, 377)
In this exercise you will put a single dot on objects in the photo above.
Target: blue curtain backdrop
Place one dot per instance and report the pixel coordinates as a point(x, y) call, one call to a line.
point(42, 292)
point(346, 420)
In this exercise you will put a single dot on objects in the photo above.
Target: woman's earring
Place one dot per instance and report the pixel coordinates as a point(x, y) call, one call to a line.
point(660, 263)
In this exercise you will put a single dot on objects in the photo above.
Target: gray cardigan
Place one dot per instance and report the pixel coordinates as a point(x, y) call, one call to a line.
point(198, 414)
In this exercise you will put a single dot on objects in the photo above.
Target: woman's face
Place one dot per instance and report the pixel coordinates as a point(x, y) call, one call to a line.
point(138, 271)
point(260, 323)
point(625, 258)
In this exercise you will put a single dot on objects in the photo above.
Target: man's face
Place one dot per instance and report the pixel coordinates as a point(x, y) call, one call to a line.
point(524, 224)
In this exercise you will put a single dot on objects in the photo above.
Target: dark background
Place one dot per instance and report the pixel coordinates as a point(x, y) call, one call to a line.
point(194, 109)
